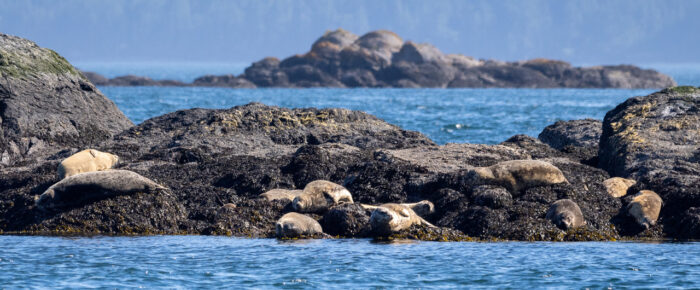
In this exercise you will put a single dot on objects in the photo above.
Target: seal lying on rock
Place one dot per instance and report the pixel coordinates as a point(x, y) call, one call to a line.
point(320, 195)
point(86, 161)
point(294, 225)
point(285, 195)
point(566, 214)
point(392, 217)
point(645, 208)
point(95, 185)
point(617, 186)
point(516, 175)
point(422, 208)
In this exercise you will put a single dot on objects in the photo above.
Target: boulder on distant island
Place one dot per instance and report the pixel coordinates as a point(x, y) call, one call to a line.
point(381, 58)
point(46, 103)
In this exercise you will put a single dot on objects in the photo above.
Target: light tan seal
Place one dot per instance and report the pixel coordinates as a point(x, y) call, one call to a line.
point(91, 186)
point(285, 195)
point(86, 161)
point(294, 225)
point(320, 195)
point(566, 214)
point(617, 186)
point(517, 175)
point(422, 208)
point(392, 217)
point(645, 208)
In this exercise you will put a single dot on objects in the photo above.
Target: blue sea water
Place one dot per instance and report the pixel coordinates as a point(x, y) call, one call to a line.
point(445, 115)
point(218, 262)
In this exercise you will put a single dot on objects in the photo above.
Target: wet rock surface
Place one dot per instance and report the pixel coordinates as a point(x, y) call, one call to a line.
point(381, 58)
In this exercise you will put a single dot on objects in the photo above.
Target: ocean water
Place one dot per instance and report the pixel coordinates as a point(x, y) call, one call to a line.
point(208, 262)
point(445, 115)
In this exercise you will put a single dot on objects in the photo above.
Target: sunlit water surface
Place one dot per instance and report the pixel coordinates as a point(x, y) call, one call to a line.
point(199, 261)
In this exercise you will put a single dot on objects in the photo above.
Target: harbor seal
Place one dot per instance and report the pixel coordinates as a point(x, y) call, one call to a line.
point(86, 161)
point(285, 195)
point(96, 185)
point(617, 186)
point(422, 208)
point(566, 214)
point(645, 208)
point(320, 195)
point(392, 217)
point(294, 225)
point(517, 175)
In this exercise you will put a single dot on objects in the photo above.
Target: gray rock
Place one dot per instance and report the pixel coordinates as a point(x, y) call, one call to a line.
point(655, 140)
point(580, 133)
point(46, 103)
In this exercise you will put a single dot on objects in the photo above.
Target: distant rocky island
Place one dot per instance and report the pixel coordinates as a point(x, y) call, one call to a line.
point(381, 59)
point(71, 163)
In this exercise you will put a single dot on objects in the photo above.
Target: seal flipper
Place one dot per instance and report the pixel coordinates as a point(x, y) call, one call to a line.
point(426, 223)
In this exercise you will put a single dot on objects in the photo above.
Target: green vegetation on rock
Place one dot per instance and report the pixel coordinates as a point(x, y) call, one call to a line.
point(684, 90)
point(24, 63)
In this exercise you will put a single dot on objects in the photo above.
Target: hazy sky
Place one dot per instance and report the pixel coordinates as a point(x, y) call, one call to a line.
point(583, 32)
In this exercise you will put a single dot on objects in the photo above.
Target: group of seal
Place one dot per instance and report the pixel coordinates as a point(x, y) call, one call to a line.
point(320, 195)
point(87, 176)
point(317, 196)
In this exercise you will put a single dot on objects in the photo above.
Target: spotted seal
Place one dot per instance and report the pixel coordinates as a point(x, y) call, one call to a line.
point(95, 185)
point(294, 225)
point(517, 175)
point(392, 217)
point(566, 214)
point(320, 195)
point(645, 208)
point(285, 195)
point(86, 161)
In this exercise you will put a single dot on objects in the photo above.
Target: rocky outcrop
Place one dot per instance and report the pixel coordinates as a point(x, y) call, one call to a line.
point(655, 140)
point(206, 169)
point(45, 104)
point(577, 137)
point(383, 59)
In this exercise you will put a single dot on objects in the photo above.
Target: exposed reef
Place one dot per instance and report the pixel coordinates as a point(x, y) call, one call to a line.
point(383, 59)
point(204, 170)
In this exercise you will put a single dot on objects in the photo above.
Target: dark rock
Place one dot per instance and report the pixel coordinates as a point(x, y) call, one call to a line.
point(347, 220)
point(45, 103)
point(579, 133)
point(577, 137)
point(491, 196)
point(229, 81)
point(266, 73)
point(655, 140)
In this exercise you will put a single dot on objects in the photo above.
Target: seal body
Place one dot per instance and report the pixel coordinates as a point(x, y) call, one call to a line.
point(517, 175)
point(645, 208)
point(86, 161)
point(392, 217)
point(285, 195)
point(566, 214)
point(422, 208)
point(294, 225)
point(96, 185)
point(617, 186)
point(320, 195)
